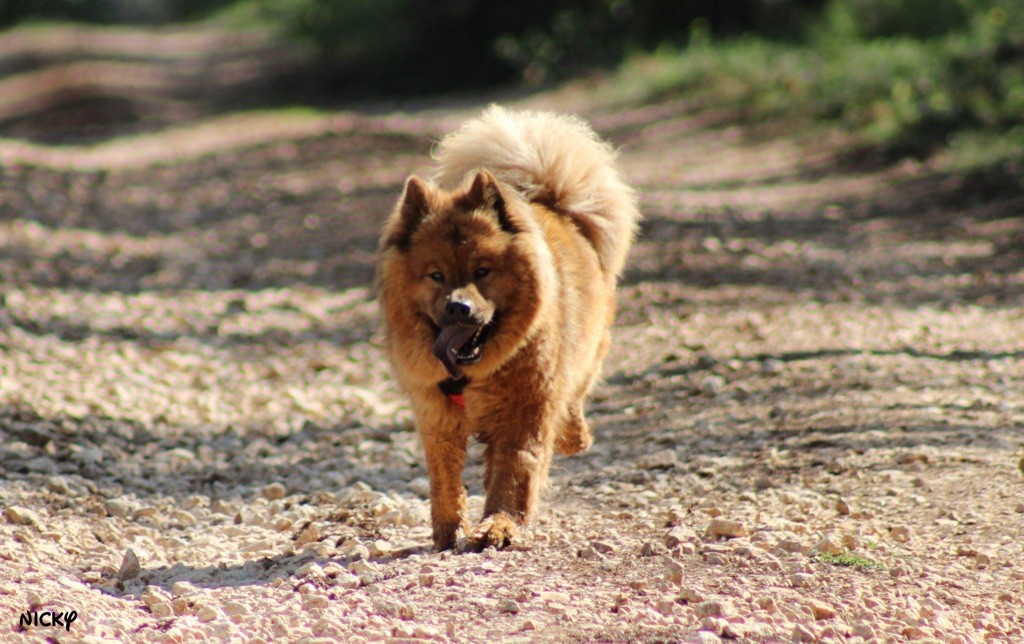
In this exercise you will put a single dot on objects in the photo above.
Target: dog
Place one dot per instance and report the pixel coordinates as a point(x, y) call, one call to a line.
point(496, 281)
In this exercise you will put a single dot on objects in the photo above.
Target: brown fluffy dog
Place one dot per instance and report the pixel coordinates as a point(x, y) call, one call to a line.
point(497, 288)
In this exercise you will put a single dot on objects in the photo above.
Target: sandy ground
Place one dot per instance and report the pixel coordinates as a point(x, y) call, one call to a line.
point(810, 427)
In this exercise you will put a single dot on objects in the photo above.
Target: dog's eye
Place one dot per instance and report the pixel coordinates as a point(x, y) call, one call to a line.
point(481, 272)
point(437, 276)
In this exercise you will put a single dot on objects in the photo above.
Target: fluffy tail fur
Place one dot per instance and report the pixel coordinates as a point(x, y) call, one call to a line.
point(554, 159)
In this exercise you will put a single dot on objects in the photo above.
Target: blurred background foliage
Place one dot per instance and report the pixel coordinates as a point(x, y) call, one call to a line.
point(912, 75)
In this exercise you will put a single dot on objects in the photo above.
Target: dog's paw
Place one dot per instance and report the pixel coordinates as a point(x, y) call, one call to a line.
point(575, 437)
point(450, 536)
point(496, 531)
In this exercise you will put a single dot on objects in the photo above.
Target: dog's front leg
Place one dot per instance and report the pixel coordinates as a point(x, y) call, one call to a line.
point(516, 461)
point(446, 456)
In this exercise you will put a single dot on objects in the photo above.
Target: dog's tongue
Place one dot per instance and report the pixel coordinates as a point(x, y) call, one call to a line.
point(446, 347)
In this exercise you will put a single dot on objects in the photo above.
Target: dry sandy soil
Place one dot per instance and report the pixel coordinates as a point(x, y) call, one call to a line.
point(810, 426)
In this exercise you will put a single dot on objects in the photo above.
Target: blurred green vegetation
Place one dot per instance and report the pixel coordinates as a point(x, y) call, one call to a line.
point(413, 46)
point(909, 75)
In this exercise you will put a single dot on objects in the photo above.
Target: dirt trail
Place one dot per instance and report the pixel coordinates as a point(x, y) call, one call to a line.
point(809, 431)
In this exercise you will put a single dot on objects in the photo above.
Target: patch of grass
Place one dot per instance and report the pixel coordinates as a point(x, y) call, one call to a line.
point(849, 559)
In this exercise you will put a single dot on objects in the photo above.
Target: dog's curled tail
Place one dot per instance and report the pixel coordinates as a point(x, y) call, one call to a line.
point(554, 159)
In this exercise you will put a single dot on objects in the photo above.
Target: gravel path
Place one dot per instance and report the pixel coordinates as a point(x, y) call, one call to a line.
point(809, 431)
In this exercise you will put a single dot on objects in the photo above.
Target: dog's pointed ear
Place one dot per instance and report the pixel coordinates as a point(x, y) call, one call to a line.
point(412, 207)
point(486, 192)
point(483, 191)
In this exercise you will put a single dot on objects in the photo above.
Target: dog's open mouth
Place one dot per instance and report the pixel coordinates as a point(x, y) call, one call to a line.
point(458, 345)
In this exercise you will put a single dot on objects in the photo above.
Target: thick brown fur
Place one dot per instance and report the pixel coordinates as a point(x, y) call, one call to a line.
point(519, 243)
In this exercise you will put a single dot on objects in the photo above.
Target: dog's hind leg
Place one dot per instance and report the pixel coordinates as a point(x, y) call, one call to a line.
point(575, 436)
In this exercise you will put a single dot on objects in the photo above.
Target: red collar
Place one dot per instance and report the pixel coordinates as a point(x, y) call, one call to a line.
point(453, 389)
point(458, 399)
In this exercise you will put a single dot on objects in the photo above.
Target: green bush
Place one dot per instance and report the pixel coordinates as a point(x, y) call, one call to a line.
point(903, 84)
point(921, 19)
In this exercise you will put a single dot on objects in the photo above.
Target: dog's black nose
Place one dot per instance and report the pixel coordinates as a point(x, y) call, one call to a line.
point(458, 310)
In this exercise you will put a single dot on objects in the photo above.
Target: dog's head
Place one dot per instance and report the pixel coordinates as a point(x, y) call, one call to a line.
point(459, 271)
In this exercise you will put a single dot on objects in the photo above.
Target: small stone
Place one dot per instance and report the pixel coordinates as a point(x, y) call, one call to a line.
point(180, 588)
point(332, 569)
point(315, 600)
point(766, 603)
point(712, 385)
point(223, 507)
point(666, 607)
point(602, 547)
point(676, 516)
point(346, 580)
point(259, 545)
point(826, 547)
point(207, 613)
point(679, 534)
point(119, 507)
point(358, 552)
point(309, 535)
point(801, 579)
point(719, 527)
point(274, 491)
point(733, 631)
point(901, 534)
point(685, 548)
point(690, 595)
point(911, 633)
point(804, 633)
point(673, 570)
point(716, 558)
point(59, 485)
point(21, 516)
point(649, 549)
point(793, 546)
point(162, 609)
point(180, 606)
point(380, 548)
point(130, 567)
point(863, 629)
point(706, 360)
point(403, 632)
point(528, 625)
point(509, 606)
point(590, 554)
point(966, 550)
point(821, 610)
point(710, 608)
point(154, 595)
point(424, 632)
point(842, 507)
point(771, 366)
point(666, 459)
point(181, 518)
